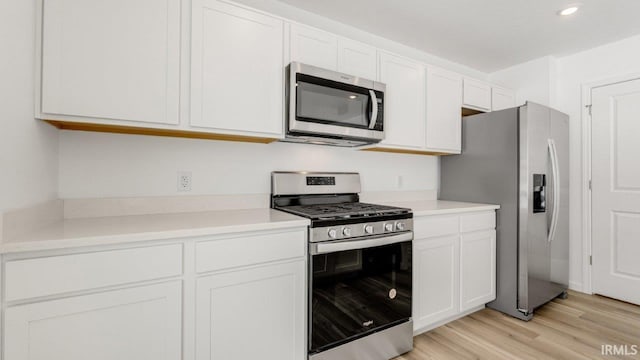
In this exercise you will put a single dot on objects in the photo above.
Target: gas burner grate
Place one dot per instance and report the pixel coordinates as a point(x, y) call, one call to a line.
point(342, 210)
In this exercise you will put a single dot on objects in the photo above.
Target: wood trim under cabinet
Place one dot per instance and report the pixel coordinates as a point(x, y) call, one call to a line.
point(406, 151)
point(119, 129)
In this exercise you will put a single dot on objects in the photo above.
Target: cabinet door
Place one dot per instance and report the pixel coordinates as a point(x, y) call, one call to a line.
point(252, 314)
point(404, 121)
point(314, 47)
point(444, 103)
point(476, 95)
point(115, 59)
point(477, 269)
point(358, 59)
point(502, 98)
point(142, 323)
point(237, 70)
point(435, 280)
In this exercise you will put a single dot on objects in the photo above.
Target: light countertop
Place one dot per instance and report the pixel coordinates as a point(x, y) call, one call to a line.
point(72, 233)
point(441, 207)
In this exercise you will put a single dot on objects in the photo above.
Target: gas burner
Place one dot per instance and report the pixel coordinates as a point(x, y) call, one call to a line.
point(342, 210)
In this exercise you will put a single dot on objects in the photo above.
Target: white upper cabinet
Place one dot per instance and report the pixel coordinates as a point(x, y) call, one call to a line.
point(117, 60)
point(476, 95)
point(358, 59)
point(444, 101)
point(502, 98)
point(237, 70)
point(404, 102)
point(314, 47)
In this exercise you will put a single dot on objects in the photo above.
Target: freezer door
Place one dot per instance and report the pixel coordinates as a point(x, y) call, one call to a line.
point(536, 205)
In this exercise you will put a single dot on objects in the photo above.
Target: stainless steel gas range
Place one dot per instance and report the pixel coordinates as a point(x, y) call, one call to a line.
point(359, 266)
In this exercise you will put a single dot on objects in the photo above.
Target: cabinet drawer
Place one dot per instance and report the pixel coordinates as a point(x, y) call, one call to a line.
point(478, 221)
point(250, 249)
point(430, 226)
point(67, 273)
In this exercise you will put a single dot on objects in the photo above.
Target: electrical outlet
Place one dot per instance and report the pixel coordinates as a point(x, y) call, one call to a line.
point(184, 181)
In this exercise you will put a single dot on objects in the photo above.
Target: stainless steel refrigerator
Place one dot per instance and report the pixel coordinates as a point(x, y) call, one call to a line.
point(519, 158)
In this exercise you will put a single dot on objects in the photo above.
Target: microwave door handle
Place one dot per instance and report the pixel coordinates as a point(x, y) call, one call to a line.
point(374, 109)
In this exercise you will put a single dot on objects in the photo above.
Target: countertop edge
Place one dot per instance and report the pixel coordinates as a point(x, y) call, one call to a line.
point(132, 238)
point(455, 210)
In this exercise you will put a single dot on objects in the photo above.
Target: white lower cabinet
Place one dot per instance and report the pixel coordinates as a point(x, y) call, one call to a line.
point(140, 323)
point(256, 313)
point(435, 278)
point(180, 300)
point(454, 262)
point(477, 268)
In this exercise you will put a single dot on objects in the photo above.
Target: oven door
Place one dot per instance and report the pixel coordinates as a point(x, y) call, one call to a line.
point(323, 102)
point(361, 287)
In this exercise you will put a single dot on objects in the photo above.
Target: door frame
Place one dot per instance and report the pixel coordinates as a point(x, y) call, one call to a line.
point(587, 208)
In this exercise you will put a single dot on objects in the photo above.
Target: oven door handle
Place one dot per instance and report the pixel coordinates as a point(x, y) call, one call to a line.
point(335, 246)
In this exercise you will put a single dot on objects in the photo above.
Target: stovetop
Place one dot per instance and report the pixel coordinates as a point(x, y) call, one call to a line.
point(338, 211)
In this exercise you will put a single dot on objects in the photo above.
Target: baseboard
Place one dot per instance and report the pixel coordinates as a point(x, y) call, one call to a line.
point(574, 285)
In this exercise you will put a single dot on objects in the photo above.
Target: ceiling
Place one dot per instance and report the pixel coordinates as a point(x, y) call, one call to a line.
point(487, 35)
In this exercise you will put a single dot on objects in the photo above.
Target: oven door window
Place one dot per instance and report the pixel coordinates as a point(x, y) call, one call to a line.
point(330, 102)
point(358, 291)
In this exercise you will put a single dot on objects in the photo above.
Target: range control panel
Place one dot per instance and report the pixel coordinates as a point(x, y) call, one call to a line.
point(372, 229)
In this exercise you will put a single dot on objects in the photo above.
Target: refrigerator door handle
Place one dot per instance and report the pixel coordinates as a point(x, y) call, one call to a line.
point(556, 190)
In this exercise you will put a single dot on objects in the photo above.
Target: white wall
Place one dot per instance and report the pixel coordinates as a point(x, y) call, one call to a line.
point(533, 80)
point(108, 165)
point(605, 62)
point(28, 148)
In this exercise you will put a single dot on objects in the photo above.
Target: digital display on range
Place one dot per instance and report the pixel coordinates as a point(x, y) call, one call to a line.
point(321, 180)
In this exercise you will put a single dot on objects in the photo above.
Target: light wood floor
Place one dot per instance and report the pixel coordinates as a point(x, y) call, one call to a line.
point(574, 328)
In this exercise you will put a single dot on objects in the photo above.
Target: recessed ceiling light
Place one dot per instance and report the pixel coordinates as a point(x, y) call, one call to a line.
point(568, 11)
point(352, 96)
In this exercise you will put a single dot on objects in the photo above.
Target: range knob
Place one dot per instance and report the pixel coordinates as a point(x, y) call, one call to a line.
point(388, 227)
point(346, 231)
point(368, 229)
point(332, 233)
point(400, 226)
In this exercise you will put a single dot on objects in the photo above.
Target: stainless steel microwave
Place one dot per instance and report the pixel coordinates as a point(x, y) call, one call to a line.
point(331, 108)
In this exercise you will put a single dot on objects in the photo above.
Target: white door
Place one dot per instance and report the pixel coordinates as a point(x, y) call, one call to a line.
point(142, 323)
point(237, 70)
point(314, 47)
point(404, 101)
point(117, 59)
point(477, 269)
point(435, 280)
point(257, 313)
point(357, 59)
point(616, 190)
point(444, 120)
